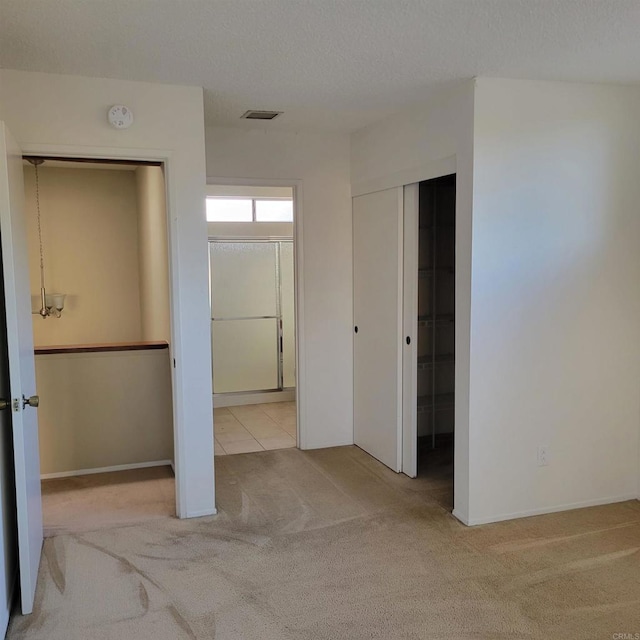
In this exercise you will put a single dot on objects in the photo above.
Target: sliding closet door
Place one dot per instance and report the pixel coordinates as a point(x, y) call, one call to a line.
point(411, 251)
point(377, 284)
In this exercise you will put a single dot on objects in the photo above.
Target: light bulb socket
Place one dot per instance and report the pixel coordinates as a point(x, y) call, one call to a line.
point(58, 300)
point(53, 304)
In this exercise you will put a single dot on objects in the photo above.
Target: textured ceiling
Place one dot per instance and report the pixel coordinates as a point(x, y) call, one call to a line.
point(328, 64)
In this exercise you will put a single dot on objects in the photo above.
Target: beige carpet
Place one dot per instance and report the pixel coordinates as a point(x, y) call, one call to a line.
point(98, 501)
point(328, 545)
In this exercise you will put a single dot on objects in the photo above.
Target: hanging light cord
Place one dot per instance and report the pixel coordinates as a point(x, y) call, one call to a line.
point(44, 312)
point(39, 228)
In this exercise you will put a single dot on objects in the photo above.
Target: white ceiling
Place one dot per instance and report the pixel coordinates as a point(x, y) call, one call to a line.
point(328, 64)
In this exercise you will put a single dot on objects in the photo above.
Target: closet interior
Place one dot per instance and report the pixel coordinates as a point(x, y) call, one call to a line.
point(436, 326)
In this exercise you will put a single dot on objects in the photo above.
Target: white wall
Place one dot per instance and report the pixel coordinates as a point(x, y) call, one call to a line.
point(434, 140)
point(414, 145)
point(67, 114)
point(153, 254)
point(90, 240)
point(321, 162)
point(555, 333)
point(250, 229)
point(248, 191)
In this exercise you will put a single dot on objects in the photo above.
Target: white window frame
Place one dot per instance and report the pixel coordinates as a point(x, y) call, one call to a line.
point(253, 209)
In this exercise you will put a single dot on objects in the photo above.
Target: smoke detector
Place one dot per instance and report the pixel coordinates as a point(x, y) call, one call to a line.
point(254, 114)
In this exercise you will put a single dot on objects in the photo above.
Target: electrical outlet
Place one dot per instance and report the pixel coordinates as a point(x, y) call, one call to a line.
point(543, 456)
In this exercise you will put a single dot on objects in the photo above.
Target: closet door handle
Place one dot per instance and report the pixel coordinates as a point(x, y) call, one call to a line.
point(408, 340)
point(356, 328)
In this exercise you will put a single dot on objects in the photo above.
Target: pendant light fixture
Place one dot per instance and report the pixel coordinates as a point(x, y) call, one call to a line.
point(51, 304)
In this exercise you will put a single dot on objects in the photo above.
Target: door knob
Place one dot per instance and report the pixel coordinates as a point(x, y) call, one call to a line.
point(5, 404)
point(33, 401)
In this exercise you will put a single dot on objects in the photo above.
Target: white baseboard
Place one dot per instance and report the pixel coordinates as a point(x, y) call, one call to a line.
point(458, 516)
point(326, 445)
point(117, 467)
point(544, 510)
point(238, 399)
point(202, 514)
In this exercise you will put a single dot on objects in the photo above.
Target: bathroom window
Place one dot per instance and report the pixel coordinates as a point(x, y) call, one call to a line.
point(249, 209)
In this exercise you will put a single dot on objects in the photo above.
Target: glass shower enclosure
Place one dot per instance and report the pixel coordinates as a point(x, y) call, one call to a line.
point(252, 315)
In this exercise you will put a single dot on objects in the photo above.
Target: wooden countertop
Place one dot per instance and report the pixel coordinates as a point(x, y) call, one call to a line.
point(101, 347)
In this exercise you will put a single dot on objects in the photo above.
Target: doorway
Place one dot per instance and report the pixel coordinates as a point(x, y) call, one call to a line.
point(435, 403)
point(253, 319)
point(97, 241)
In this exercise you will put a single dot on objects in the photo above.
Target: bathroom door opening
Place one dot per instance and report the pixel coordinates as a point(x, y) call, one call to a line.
point(253, 317)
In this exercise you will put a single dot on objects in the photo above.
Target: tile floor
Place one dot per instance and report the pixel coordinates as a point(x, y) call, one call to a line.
point(255, 427)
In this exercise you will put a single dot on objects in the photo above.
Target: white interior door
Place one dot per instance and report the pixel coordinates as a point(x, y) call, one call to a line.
point(410, 348)
point(377, 297)
point(22, 377)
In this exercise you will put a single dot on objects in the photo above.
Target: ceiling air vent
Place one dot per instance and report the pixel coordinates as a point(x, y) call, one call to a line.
point(254, 114)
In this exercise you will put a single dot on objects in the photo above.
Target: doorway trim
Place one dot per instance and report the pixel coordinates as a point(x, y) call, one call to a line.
point(296, 185)
point(179, 392)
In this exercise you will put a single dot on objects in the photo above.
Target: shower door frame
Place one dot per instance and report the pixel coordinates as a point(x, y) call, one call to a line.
point(277, 240)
